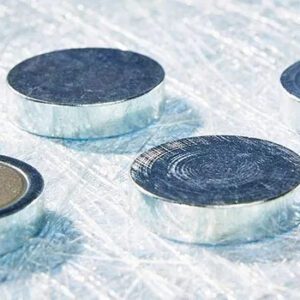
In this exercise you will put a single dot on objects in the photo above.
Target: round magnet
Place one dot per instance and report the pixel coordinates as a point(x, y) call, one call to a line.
point(290, 81)
point(217, 189)
point(21, 205)
point(85, 93)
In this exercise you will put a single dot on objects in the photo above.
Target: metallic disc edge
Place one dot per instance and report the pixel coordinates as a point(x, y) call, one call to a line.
point(23, 218)
point(217, 225)
point(85, 121)
point(290, 108)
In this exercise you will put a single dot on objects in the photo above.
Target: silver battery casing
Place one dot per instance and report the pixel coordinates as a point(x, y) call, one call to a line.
point(290, 95)
point(290, 106)
point(217, 189)
point(85, 93)
point(217, 225)
point(22, 219)
point(85, 121)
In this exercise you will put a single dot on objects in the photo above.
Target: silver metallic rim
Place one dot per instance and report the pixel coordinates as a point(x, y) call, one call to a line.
point(19, 222)
point(85, 121)
point(213, 225)
point(290, 107)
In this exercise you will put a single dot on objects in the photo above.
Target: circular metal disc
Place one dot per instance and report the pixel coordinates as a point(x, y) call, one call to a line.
point(85, 93)
point(290, 104)
point(34, 185)
point(85, 76)
point(290, 79)
point(217, 171)
point(22, 216)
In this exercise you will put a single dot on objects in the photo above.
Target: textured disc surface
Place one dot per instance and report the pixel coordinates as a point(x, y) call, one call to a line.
point(217, 170)
point(12, 184)
point(34, 185)
point(290, 79)
point(85, 76)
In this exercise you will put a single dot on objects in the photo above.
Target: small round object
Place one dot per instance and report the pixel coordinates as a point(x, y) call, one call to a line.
point(290, 81)
point(21, 207)
point(217, 189)
point(86, 93)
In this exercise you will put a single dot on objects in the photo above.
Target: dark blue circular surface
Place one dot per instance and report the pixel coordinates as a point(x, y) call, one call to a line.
point(85, 76)
point(290, 79)
point(217, 170)
point(35, 185)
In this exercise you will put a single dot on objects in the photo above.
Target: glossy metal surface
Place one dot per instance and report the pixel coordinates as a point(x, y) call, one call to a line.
point(217, 189)
point(290, 81)
point(22, 218)
point(205, 225)
point(85, 93)
point(86, 121)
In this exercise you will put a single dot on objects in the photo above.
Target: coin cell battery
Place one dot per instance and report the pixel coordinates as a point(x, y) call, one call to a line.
point(290, 81)
point(85, 93)
point(21, 205)
point(217, 189)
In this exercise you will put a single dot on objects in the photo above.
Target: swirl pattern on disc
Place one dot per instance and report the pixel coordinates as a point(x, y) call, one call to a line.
point(290, 79)
point(85, 76)
point(217, 170)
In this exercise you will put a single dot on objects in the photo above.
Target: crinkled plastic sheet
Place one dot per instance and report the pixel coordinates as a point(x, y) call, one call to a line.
point(223, 60)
